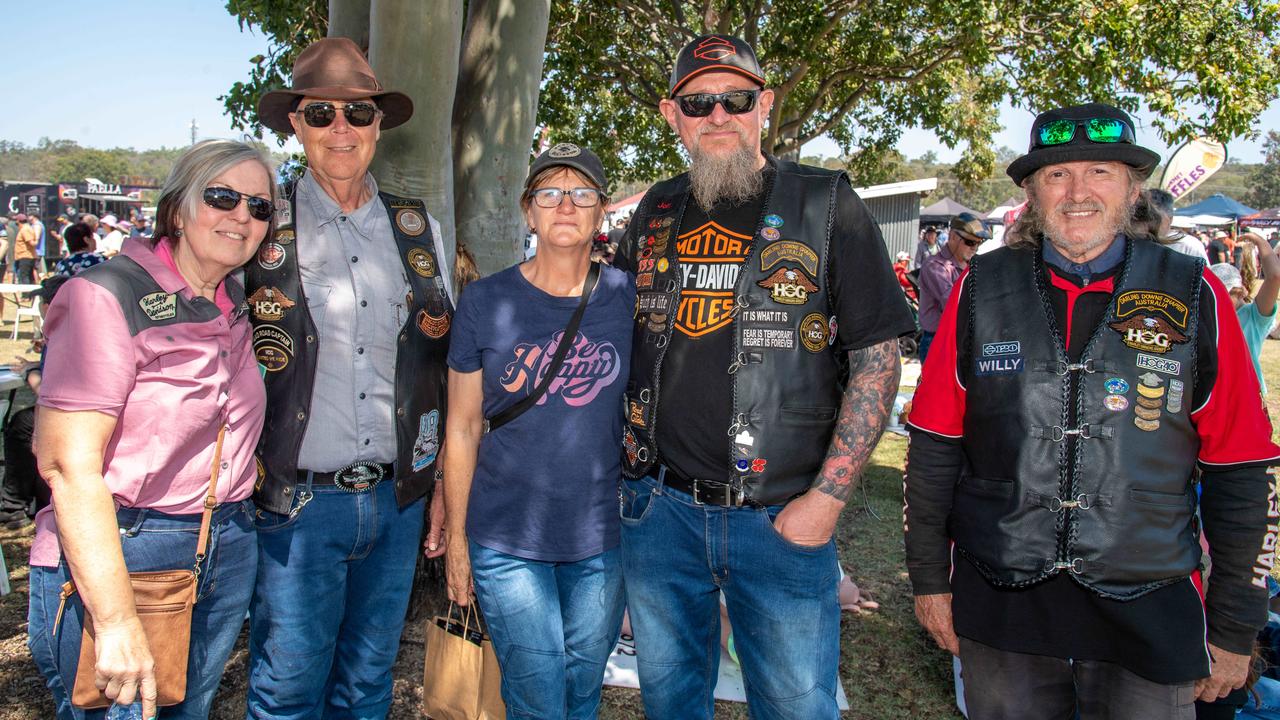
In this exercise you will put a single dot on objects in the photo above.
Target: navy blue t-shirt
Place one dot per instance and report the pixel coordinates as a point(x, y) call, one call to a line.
point(546, 483)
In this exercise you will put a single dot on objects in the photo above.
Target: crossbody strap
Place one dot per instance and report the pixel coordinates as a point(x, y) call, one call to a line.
point(562, 349)
point(210, 500)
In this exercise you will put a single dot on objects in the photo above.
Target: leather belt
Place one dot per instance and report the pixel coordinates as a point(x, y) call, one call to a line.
point(354, 478)
point(708, 492)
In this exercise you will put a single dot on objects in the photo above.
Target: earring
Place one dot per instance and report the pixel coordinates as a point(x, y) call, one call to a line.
point(177, 233)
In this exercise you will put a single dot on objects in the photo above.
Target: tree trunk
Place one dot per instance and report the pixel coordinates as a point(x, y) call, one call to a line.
point(413, 48)
point(350, 19)
point(493, 119)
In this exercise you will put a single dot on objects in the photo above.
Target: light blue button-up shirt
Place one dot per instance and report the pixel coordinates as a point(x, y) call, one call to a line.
point(355, 286)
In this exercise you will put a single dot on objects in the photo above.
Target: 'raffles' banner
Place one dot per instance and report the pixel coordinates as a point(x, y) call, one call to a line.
point(1191, 165)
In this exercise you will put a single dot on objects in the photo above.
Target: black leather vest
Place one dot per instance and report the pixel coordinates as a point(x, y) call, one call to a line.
point(284, 340)
point(1110, 500)
point(787, 378)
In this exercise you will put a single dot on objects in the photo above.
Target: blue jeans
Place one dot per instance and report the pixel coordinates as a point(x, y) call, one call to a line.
point(926, 341)
point(333, 587)
point(782, 600)
point(553, 626)
point(155, 541)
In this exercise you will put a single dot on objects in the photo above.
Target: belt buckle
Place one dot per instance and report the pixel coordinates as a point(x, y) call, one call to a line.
point(358, 477)
point(723, 494)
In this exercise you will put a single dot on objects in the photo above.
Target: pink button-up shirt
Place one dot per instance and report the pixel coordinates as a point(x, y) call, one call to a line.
point(171, 373)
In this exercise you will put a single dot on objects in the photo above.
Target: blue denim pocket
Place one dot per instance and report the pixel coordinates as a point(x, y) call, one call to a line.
point(265, 521)
point(634, 499)
point(768, 514)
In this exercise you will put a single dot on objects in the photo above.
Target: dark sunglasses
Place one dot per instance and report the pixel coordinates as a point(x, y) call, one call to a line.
point(552, 197)
point(226, 199)
point(1099, 130)
point(969, 241)
point(322, 114)
point(735, 102)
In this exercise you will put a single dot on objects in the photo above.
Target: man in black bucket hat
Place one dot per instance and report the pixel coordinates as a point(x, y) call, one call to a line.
point(1079, 376)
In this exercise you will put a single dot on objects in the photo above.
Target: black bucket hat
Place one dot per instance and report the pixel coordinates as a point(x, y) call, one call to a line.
point(1080, 147)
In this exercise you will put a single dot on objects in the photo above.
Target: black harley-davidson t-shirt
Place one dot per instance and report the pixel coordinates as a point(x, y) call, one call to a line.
point(695, 397)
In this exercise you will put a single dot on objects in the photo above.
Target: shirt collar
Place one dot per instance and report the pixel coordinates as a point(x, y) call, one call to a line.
point(1109, 259)
point(159, 263)
point(326, 209)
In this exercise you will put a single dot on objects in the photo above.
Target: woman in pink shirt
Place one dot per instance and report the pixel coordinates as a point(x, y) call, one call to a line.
point(149, 356)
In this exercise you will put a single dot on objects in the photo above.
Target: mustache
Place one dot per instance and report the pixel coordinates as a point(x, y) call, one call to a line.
point(727, 127)
point(1088, 206)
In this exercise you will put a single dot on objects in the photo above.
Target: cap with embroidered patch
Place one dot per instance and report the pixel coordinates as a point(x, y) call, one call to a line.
point(715, 53)
point(573, 156)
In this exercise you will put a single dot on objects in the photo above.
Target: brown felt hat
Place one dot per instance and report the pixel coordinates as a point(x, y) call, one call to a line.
point(333, 69)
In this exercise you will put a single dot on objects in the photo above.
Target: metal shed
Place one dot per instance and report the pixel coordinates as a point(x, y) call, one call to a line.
point(896, 207)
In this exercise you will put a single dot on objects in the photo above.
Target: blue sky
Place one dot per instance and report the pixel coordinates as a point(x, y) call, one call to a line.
point(133, 73)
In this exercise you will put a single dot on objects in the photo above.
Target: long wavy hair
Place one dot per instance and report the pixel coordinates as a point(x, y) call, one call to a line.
point(1143, 223)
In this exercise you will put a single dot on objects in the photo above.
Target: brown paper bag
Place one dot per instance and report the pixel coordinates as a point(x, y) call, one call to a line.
point(461, 679)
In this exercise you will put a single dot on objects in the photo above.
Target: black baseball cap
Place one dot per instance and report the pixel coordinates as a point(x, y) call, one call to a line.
point(1080, 147)
point(715, 53)
point(573, 156)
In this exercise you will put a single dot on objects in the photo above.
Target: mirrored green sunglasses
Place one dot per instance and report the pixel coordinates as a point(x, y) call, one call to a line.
point(1099, 130)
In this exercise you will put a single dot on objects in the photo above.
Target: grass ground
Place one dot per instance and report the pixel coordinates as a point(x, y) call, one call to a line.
point(889, 668)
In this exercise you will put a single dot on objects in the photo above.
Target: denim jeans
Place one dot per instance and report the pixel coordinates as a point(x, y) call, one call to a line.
point(781, 597)
point(1001, 685)
point(333, 587)
point(155, 541)
point(553, 626)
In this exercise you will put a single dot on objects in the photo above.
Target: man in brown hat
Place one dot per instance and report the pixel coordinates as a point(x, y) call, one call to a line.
point(351, 309)
point(1079, 376)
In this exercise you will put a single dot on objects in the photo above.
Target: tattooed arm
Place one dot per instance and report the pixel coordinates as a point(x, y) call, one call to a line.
point(868, 397)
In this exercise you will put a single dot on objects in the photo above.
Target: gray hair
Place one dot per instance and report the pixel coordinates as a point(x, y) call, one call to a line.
point(1028, 230)
point(180, 197)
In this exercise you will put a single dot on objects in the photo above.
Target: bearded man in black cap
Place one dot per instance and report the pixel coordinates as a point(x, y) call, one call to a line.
point(764, 366)
point(1079, 378)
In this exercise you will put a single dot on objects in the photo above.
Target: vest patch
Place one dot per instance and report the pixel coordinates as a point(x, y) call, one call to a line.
point(1151, 303)
point(1003, 365)
point(411, 222)
point(789, 251)
point(814, 332)
point(269, 304)
point(769, 338)
point(427, 445)
point(1159, 364)
point(159, 305)
point(1150, 321)
point(433, 326)
point(1002, 357)
point(1006, 347)
point(789, 286)
point(271, 255)
point(421, 262)
point(766, 316)
point(653, 302)
point(272, 347)
point(284, 236)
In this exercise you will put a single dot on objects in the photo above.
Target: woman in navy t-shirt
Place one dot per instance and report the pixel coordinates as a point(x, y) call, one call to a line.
point(539, 494)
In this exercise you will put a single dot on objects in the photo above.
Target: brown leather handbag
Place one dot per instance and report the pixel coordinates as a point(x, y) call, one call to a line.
point(164, 600)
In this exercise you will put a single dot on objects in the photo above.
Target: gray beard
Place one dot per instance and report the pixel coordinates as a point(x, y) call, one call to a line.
point(1115, 223)
point(732, 178)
